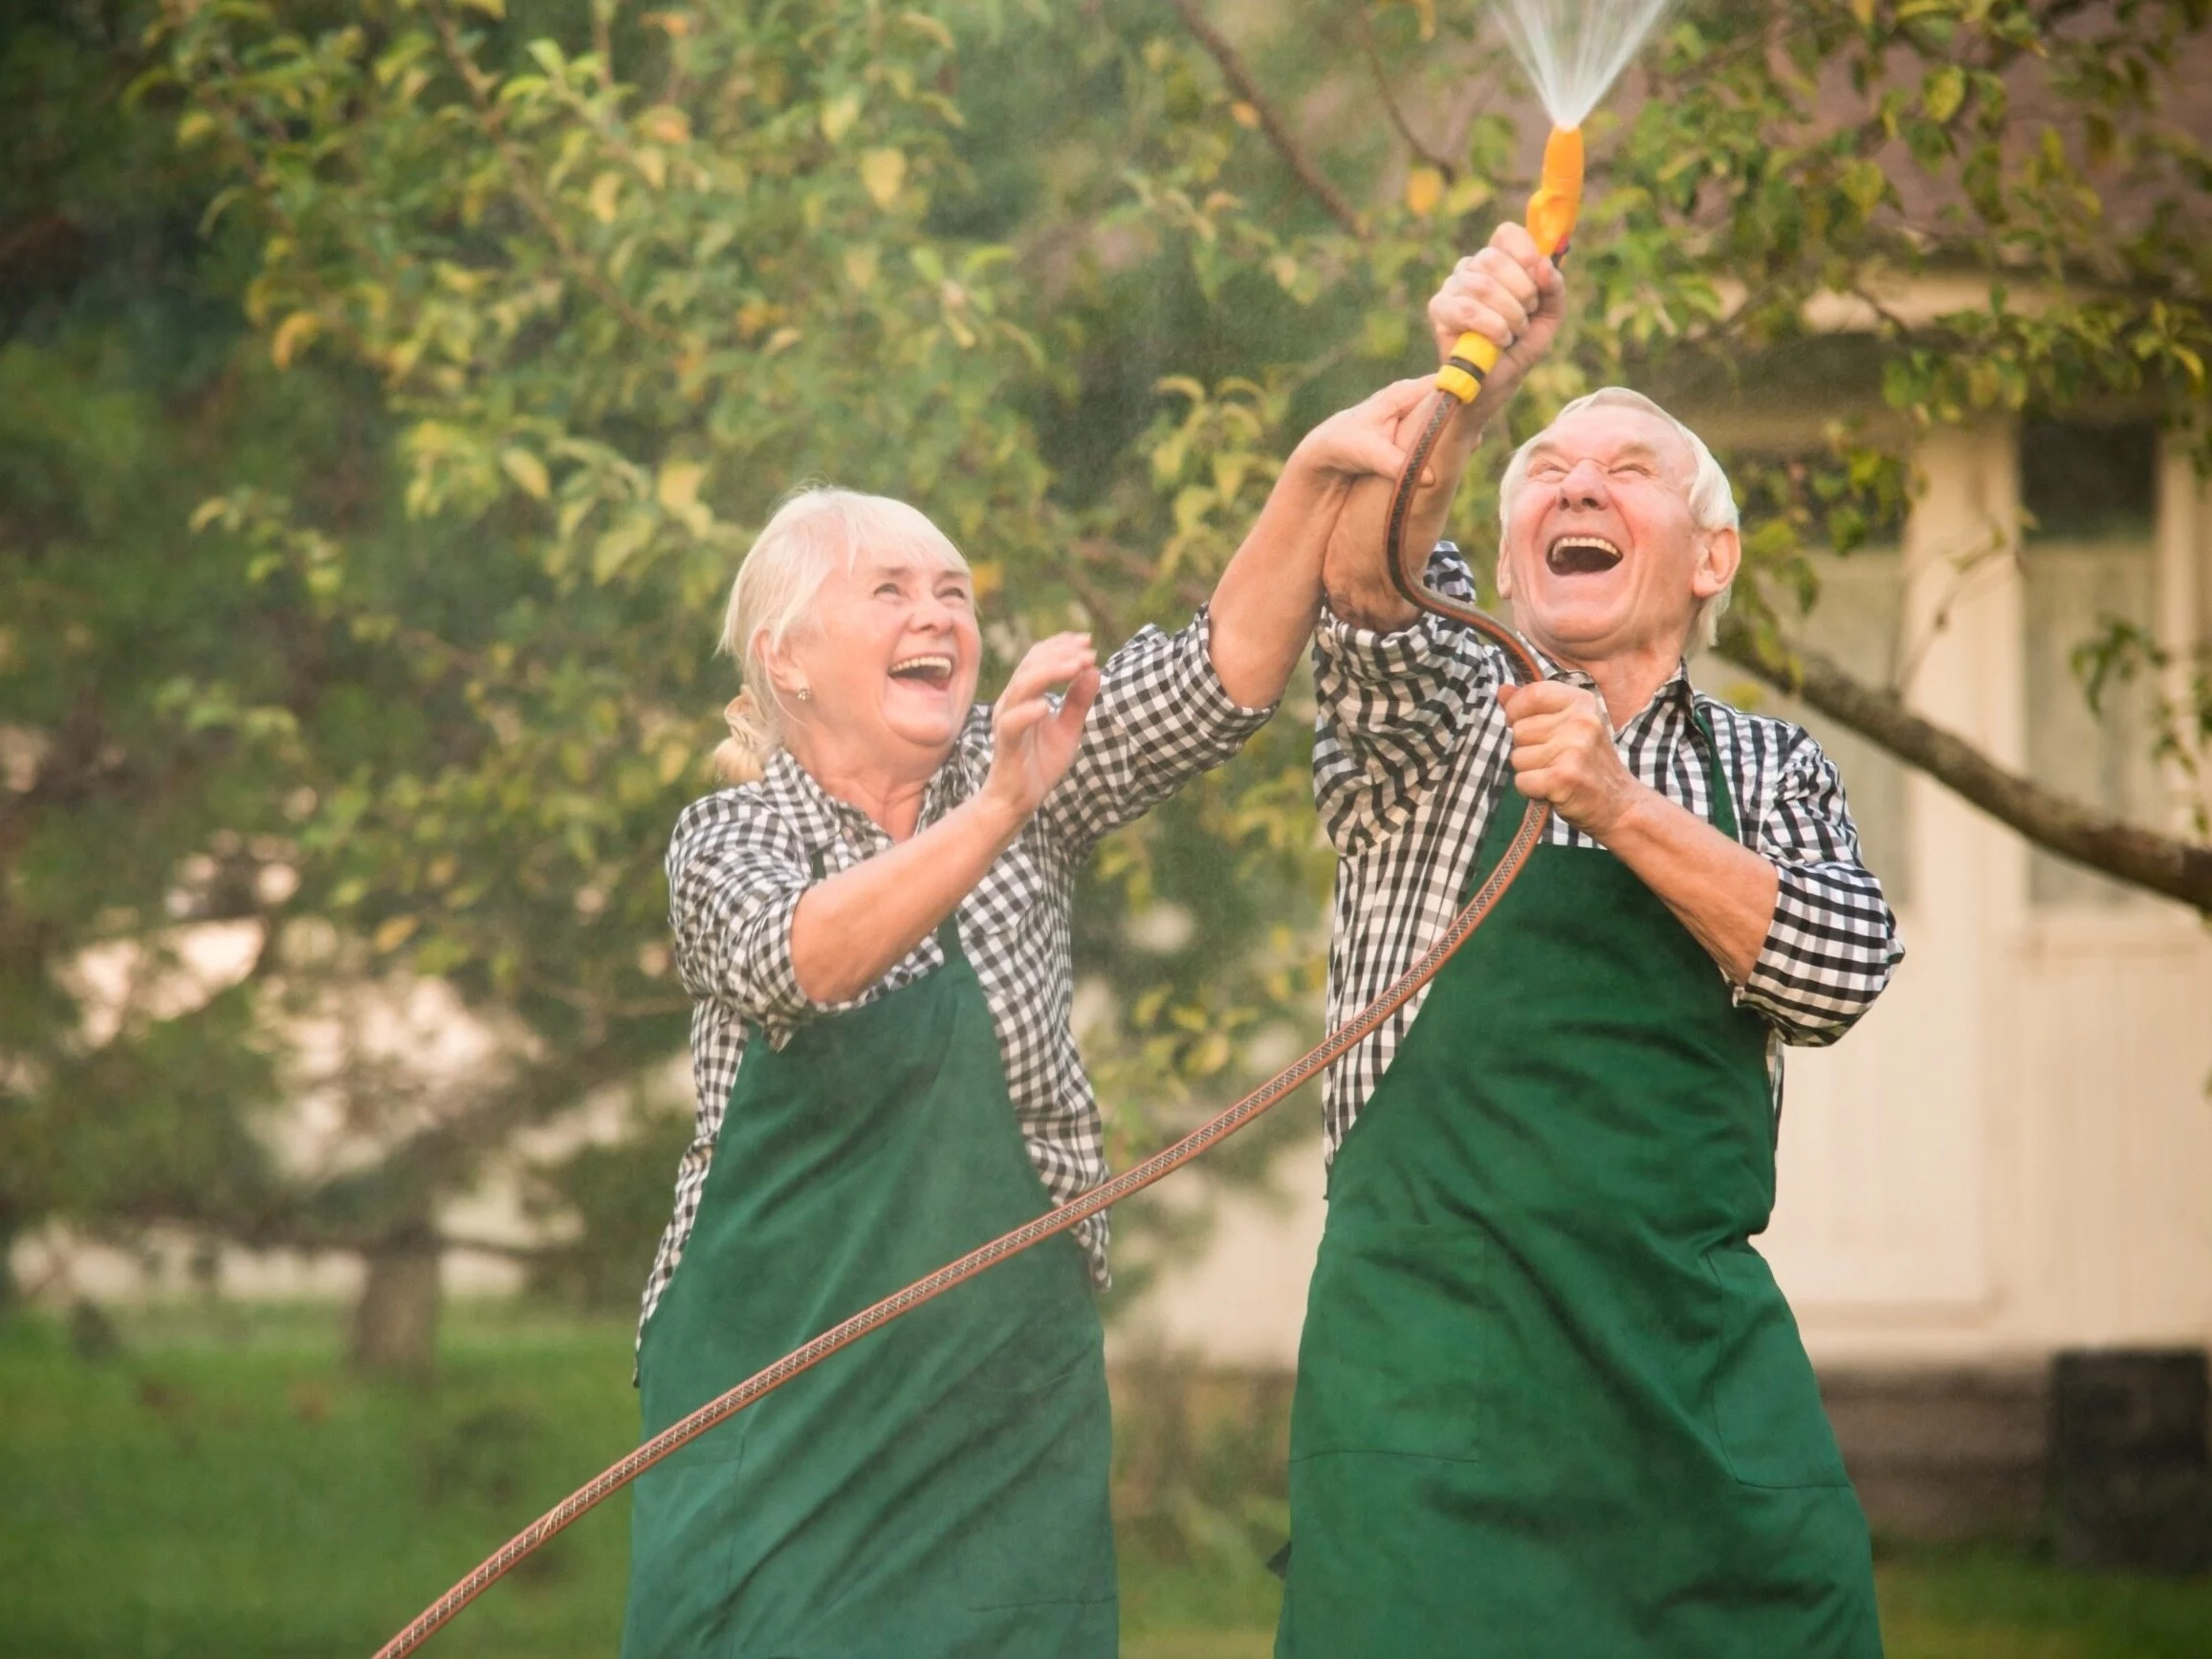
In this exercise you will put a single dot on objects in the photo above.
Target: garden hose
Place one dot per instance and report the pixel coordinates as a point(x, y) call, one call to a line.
point(1551, 212)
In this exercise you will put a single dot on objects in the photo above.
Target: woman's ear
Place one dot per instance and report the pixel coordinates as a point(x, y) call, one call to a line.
point(785, 677)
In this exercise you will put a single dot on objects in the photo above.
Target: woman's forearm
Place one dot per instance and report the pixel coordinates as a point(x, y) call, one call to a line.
point(850, 927)
point(1360, 589)
point(1267, 600)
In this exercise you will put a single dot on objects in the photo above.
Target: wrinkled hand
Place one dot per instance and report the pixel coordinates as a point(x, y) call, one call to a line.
point(1564, 753)
point(1511, 294)
point(1031, 742)
point(1369, 439)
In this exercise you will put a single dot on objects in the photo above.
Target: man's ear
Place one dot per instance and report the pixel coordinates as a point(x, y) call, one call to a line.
point(1504, 576)
point(1719, 552)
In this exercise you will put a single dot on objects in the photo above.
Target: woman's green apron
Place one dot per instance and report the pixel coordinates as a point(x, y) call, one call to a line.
point(938, 1488)
point(1551, 1403)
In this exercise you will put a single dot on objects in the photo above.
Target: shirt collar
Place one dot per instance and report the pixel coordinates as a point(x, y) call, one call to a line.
point(1674, 697)
point(823, 818)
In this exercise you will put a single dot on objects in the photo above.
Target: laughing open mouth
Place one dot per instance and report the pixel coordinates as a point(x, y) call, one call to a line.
point(928, 668)
point(1581, 555)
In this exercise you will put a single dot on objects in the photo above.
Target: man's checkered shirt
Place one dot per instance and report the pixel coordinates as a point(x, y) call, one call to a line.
point(1412, 756)
point(741, 858)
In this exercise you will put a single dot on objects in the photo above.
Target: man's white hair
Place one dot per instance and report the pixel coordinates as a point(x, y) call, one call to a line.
point(776, 590)
point(1712, 501)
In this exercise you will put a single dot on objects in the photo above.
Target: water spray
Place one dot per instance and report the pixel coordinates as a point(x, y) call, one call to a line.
point(1573, 50)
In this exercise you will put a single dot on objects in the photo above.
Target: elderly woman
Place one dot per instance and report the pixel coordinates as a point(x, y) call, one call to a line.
point(875, 922)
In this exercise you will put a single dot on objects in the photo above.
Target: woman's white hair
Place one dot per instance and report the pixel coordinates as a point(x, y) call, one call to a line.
point(773, 598)
point(1712, 500)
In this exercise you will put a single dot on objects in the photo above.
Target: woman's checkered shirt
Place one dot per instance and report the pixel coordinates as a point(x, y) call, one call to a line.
point(1412, 756)
point(741, 858)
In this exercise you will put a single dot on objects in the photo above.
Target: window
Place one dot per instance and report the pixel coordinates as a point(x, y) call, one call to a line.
point(2089, 557)
point(1856, 621)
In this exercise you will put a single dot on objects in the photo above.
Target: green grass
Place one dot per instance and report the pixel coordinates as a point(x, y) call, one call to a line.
point(222, 1488)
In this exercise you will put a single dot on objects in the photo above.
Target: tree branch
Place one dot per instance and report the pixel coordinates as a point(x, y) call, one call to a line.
point(1390, 103)
point(571, 258)
point(2158, 864)
point(1239, 78)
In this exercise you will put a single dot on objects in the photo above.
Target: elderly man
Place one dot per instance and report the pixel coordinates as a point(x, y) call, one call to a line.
point(1551, 1403)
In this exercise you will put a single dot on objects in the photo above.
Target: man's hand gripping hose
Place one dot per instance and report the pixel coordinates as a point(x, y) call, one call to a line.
point(1550, 219)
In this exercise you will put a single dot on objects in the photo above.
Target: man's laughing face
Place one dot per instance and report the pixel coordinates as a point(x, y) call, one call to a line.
point(1601, 556)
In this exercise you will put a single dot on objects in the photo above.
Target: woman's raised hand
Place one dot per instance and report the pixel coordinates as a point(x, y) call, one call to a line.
point(1032, 743)
point(1366, 440)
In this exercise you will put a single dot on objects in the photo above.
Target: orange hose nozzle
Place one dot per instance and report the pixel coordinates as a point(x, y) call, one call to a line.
point(1550, 219)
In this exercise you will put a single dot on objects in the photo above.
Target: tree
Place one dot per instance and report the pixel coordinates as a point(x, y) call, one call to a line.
point(579, 291)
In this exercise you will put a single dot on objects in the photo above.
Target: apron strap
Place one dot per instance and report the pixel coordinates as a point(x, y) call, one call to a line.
point(1725, 817)
point(1504, 817)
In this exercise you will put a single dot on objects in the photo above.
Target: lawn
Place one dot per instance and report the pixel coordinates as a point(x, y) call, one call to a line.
point(219, 1487)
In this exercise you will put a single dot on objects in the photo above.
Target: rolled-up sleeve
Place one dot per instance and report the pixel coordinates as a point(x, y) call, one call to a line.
point(1162, 718)
point(1391, 708)
point(1833, 943)
point(736, 872)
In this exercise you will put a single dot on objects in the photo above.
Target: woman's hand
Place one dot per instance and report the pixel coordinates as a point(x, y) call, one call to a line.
point(1366, 441)
point(1031, 742)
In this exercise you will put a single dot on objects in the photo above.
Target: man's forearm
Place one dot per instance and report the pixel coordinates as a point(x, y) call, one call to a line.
point(1723, 891)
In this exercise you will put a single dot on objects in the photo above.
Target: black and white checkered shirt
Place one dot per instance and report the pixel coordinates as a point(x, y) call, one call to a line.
point(1412, 754)
point(741, 858)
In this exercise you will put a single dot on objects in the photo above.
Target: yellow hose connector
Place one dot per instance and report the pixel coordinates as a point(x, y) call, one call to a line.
point(1550, 219)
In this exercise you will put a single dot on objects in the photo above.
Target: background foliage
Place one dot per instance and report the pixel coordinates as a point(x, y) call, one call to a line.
point(389, 388)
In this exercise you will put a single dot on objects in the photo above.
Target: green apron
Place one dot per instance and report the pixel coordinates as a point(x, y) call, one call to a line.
point(1551, 1402)
point(937, 1489)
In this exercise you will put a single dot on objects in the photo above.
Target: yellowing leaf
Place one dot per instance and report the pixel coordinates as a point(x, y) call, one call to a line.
point(193, 125)
point(1425, 11)
point(652, 161)
point(1424, 190)
point(528, 473)
point(678, 486)
point(881, 173)
point(839, 113)
point(1943, 92)
point(295, 332)
point(490, 7)
point(606, 190)
point(666, 125)
point(860, 266)
point(393, 931)
point(1244, 115)
point(1466, 195)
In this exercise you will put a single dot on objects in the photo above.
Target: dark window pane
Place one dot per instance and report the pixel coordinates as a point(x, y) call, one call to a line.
point(2088, 482)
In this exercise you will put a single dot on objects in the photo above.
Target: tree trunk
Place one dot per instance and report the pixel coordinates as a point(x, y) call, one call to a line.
point(395, 1324)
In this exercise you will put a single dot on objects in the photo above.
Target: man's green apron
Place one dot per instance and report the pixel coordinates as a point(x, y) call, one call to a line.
point(939, 1488)
point(1551, 1403)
